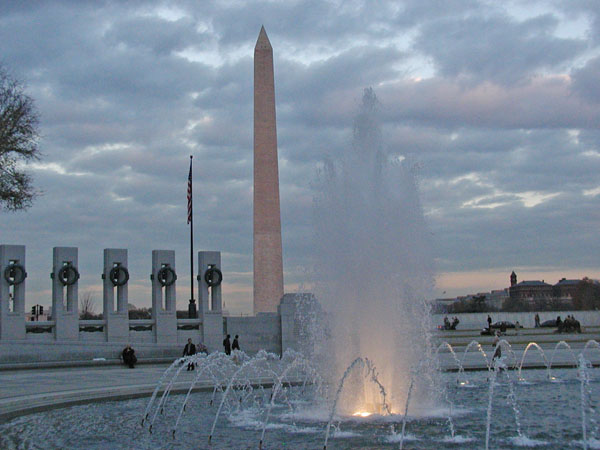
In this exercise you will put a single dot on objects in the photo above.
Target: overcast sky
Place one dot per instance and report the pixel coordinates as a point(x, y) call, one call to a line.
point(496, 105)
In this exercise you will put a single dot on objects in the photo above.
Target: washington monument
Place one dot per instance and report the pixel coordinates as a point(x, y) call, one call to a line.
point(268, 261)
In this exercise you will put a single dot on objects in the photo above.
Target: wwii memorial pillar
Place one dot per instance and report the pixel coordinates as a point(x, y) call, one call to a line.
point(163, 296)
point(209, 298)
point(268, 261)
point(65, 281)
point(115, 277)
point(12, 291)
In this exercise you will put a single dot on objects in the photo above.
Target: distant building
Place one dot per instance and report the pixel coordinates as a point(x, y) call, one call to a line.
point(565, 289)
point(531, 291)
point(540, 292)
point(441, 305)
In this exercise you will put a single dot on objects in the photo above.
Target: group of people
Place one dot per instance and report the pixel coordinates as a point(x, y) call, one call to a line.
point(129, 358)
point(569, 325)
point(451, 325)
point(228, 346)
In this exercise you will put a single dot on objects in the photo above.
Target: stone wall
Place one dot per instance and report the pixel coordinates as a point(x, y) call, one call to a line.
point(262, 331)
point(526, 319)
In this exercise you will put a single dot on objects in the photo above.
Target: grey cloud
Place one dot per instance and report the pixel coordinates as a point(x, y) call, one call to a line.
point(311, 23)
point(585, 81)
point(496, 47)
point(539, 236)
point(309, 88)
point(158, 35)
point(545, 102)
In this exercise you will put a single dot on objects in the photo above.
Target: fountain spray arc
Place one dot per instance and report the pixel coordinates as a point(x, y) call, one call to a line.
point(374, 269)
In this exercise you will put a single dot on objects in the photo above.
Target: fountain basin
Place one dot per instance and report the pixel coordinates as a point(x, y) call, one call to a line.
point(550, 417)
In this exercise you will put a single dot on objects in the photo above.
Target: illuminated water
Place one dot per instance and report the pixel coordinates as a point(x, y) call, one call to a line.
point(550, 419)
point(373, 268)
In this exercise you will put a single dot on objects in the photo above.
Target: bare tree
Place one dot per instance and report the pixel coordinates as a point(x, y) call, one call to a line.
point(18, 142)
point(87, 306)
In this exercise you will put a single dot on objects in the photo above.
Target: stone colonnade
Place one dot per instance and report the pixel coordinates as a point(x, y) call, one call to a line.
point(115, 326)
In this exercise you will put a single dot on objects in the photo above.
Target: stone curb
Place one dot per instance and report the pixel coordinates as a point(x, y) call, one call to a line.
point(13, 407)
point(80, 363)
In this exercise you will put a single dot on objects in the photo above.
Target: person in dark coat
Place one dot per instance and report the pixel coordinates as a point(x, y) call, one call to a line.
point(455, 322)
point(189, 350)
point(489, 321)
point(129, 357)
point(227, 345)
point(559, 324)
point(576, 324)
point(235, 345)
point(537, 320)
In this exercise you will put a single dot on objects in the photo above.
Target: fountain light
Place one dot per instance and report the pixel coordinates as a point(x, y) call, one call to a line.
point(362, 414)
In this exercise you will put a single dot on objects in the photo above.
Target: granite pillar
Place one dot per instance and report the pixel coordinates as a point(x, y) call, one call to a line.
point(65, 283)
point(210, 299)
point(163, 296)
point(116, 316)
point(12, 294)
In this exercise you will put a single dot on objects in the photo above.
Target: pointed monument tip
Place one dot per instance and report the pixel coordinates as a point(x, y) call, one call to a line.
point(263, 40)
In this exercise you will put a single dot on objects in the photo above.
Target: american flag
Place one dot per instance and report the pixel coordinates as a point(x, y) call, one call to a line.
point(189, 194)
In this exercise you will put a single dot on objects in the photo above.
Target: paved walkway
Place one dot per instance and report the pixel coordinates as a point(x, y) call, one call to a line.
point(26, 391)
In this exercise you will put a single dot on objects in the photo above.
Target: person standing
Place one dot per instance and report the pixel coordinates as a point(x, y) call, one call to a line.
point(537, 320)
point(189, 350)
point(489, 321)
point(227, 345)
point(236, 344)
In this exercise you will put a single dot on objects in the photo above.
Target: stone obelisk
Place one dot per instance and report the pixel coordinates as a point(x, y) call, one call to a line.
point(268, 261)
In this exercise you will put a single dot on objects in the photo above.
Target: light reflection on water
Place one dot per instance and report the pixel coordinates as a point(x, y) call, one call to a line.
point(550, 419)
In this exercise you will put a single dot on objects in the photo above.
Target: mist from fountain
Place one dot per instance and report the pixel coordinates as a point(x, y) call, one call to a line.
point(373, 268)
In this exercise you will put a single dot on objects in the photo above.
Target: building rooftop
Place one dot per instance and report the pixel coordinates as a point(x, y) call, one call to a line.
point(565, 282)
point(532, 283)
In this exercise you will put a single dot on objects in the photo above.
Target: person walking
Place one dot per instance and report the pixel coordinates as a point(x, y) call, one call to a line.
point(189, 350)
point(227, 345)
point(497, 346)
point(236, 344)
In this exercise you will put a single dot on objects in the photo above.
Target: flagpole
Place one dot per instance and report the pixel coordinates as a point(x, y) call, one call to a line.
point(191, 216)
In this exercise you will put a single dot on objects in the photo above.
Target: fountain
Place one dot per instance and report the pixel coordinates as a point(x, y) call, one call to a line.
point(543, 355)
point(373, 268)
